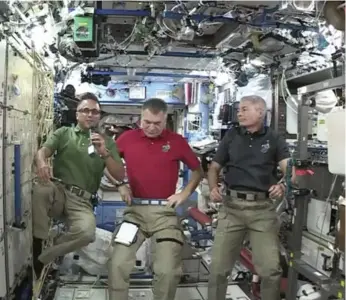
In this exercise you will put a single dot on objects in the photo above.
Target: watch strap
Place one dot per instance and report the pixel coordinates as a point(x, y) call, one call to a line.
point(121, 183)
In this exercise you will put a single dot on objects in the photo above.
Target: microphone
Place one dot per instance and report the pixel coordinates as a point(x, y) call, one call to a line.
point(91, 148)
point(94, 129)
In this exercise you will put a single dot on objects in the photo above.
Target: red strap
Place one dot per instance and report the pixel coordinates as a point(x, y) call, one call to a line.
point(304, 172)
point(199, 216)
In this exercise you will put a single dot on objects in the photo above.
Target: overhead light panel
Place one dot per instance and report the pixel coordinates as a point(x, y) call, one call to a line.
point(303, 5)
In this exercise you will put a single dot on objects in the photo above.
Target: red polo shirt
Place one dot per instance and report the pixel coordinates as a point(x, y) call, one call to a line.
point(152, 165)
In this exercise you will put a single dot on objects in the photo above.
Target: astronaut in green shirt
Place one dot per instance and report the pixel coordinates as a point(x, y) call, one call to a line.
point(81, 156)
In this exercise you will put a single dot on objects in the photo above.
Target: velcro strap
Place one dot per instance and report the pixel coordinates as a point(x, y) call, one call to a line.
point(141, 201)
point(248, 195)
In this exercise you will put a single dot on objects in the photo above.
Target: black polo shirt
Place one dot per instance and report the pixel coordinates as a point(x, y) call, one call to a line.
point(250, 159)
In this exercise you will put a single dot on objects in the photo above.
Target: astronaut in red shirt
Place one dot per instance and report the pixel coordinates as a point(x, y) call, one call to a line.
point(152, 155)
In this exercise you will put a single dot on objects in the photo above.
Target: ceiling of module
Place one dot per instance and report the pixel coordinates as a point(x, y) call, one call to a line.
point(232, 44)
point(178, 37)
point(121, 28)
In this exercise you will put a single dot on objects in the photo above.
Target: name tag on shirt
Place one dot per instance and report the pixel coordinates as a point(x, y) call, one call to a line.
point(91, 149)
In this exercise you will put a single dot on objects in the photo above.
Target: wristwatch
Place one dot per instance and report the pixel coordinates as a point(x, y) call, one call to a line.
point(283, 183)
point(121, 183)
point(107, 155)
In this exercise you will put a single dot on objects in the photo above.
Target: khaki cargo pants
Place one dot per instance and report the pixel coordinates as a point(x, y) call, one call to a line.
point(52, 200)
point(162, 225)
point(257, 219)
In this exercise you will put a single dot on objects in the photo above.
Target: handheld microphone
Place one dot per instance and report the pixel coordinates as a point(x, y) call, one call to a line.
point(94, 129)
point(91, 148)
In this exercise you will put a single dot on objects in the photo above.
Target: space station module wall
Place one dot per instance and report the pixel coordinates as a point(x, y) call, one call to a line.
point(18, 143)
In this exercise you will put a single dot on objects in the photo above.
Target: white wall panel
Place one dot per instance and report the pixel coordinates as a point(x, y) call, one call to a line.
point(2, 232)
point(19, 111)
point(19, 132)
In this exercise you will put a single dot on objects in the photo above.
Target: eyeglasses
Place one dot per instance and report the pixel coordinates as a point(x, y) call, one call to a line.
point(87, 111)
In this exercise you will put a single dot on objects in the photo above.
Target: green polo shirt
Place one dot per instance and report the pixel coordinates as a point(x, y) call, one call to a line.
point(72, 163)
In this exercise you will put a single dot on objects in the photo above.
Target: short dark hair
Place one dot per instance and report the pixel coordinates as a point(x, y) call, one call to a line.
point(87, 96)
point(155, 105)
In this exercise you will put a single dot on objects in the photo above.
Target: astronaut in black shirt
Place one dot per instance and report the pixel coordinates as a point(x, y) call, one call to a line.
point(249, 155)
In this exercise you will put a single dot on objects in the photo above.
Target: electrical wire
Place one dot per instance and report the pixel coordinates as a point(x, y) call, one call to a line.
point(283, 89)
point(324, 210)
point(121, 46)
point(318, 13)
point(166, 27)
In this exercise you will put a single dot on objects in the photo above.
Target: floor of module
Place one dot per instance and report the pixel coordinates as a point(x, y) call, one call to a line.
point(89, 292)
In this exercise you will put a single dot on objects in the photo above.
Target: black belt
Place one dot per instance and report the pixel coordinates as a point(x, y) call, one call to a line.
point(75, 189)
point(78, 191)
point(93, 198)
point(247, 195)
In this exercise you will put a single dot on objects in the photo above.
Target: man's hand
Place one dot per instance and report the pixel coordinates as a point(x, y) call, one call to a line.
point(176, 200)
point(44, 172)
point(125, 193)
point(99, 142)
point(276, 191)
point(215, 195)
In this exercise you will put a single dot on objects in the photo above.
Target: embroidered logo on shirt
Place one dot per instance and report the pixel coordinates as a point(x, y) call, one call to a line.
point(165, 148)
point(265, 147)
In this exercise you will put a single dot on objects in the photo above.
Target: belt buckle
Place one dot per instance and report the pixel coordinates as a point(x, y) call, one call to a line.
point(72, 189)
point(250, 197)
point(77, 191)
point(81, 193)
